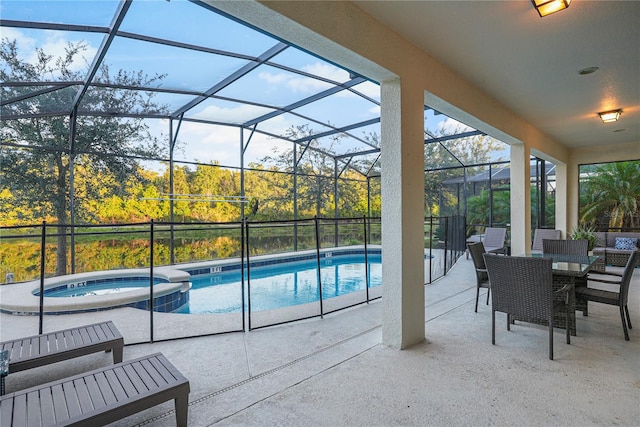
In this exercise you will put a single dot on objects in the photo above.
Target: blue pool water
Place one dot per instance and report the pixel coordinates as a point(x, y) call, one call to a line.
point(272, 286)
point(281, 285)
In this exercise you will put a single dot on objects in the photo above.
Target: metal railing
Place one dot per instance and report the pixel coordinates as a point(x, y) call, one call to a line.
point(153, 246)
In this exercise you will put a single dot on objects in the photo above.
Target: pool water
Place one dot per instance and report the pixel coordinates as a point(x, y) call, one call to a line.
point(281, 285)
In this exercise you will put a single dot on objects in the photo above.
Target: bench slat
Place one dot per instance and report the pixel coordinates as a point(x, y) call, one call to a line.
point(162, 370)
point(72, 399)
point(43, 345)
point(84, 399)
point(105, 389)
point(6, 412)
point(110, 332)
point(94, 393)
point(69, 341)
point(46, 407)
point(135, 379)
point(118, 390)
point(153, 373)
point(93, 336)
point(125, 382)
point(100, 333)
point(25, 350)
point(84, 336)
point(33, 409)
point(59, 405)
point(35, 346)
point(77, 338)
point(19, 411)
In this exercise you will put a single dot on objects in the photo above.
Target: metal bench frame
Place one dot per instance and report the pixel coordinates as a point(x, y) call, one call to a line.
point(101, 396)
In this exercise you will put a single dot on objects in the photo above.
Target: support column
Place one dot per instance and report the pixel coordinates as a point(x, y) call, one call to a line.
point(520, 199)
point(402, 157)
point(562, 219)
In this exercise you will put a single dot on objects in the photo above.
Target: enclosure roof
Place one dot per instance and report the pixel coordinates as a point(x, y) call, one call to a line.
point(200, 66)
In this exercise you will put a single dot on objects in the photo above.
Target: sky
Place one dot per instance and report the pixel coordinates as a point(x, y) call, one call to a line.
point(185, 69)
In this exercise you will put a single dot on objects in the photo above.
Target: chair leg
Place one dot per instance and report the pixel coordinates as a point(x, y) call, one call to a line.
point(493, 326)
point(568, 324)
point(488, 293)
point(509, 322)
point(551, 338)
point(477, 296)
point(626, 309)
point(624, 324)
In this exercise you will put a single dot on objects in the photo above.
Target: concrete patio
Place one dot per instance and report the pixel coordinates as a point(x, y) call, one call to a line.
point(335, 371)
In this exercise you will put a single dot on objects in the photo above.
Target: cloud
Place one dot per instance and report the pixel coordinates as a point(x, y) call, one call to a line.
point(306, 85)
point(450, 126)
point(239, 114)
point(327, 71)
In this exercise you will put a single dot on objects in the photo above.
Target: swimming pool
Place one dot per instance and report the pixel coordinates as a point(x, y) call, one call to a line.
point(282, 285)
point(275, 281)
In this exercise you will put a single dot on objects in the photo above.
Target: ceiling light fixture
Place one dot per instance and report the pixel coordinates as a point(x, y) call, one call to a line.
point(610, 116)
point(547, 7)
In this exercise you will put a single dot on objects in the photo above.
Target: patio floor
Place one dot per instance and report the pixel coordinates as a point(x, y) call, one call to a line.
point(335, 371)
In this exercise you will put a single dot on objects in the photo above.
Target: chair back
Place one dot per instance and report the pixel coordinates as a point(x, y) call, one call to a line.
point(543, 233)
point(626, 278)
point(521, 286)
point(494, 238)
point(477, 251)
point(565, 247)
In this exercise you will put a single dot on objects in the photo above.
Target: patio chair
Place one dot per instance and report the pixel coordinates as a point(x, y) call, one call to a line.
point(565, 247)
point(494, 239)
point(584, 294)
point(482, 279)
point(539, 235)
point(523, 287)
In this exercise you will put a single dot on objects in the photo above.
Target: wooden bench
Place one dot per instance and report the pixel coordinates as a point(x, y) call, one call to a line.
point(39, 350)
point(101, 396)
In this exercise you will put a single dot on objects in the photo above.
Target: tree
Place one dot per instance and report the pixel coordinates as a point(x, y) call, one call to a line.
point(611, 195)
point(314, 171)
point(37, 154)
point(444, 162)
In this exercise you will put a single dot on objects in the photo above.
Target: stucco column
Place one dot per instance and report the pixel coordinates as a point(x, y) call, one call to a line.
point(402, 157)
point(562, 218)
point(520, 199)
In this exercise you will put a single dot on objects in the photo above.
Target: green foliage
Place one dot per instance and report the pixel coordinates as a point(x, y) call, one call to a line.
point(37, 155)
point(610, 195)
point(583, 232)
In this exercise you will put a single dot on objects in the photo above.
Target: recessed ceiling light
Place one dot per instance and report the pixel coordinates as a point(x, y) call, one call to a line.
point(588, 70)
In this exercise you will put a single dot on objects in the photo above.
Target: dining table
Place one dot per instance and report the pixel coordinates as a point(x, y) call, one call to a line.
point(569, 271)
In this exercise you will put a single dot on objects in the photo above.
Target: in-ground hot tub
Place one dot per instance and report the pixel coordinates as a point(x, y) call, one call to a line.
point(100, 290)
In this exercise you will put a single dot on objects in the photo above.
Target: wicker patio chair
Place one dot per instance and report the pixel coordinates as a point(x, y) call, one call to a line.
point(565, 247)
point(523, 287)
point(584, 294)
point(482, 278)
point(540, 234)
point(494, 239)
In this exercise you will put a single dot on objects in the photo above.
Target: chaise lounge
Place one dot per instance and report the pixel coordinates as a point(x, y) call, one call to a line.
point(101, 396)
point(40, 350)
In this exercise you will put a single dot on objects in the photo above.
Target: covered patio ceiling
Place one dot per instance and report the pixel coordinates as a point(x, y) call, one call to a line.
point(214, 70)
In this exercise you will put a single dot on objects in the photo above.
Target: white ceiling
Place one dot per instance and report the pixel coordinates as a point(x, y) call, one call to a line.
point(530, 64)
